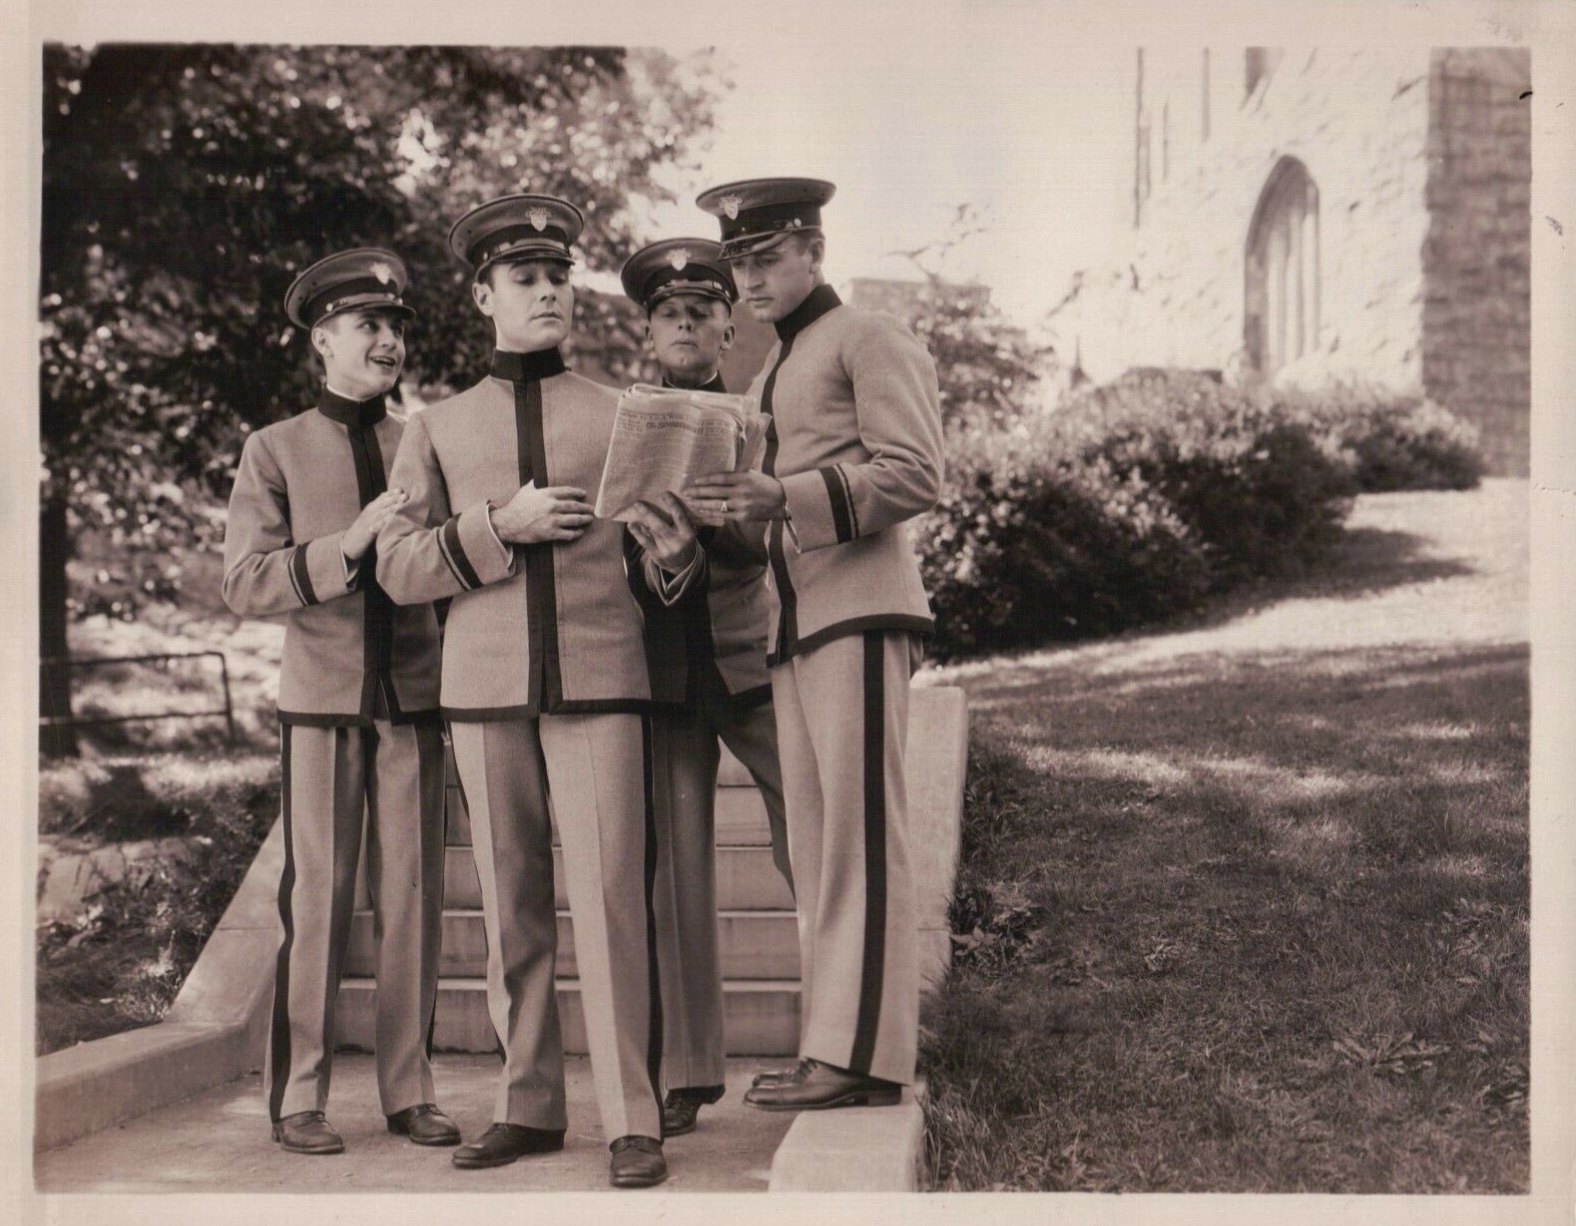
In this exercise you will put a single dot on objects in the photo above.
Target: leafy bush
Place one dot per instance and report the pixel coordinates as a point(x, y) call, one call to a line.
point(1133, 501)
point(1396, 442)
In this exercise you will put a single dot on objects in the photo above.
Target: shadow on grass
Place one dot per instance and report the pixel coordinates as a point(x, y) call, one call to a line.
point(1240, 923)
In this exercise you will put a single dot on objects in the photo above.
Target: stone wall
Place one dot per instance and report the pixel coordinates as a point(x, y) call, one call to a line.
point(1477, 256)
point(1358, 121)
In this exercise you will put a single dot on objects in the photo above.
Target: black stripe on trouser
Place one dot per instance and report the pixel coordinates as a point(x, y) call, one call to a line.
point(459, 782)
point(279, 1034)
point(870, 979)
point(653, 981)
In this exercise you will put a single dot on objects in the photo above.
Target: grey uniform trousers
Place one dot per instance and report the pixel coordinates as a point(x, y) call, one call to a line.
point(842, 721)
point(334, 779)
point(596, 767)
point(685, 759)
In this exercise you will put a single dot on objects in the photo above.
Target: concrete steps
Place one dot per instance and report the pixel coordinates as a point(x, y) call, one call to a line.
point(757, 932)
point(753, 945)
point(760, 1016)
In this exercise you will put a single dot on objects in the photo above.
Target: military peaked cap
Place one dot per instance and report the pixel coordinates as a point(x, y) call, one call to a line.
point(515, 228)
point(678, 266)
point(361, 278)
point(757, 214)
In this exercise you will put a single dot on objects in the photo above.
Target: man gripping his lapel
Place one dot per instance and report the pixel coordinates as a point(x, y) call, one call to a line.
point(853, 452)
point(714, 640)
point(545, 688)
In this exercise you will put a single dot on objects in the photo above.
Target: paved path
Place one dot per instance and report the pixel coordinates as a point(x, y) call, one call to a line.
point(218, 1142)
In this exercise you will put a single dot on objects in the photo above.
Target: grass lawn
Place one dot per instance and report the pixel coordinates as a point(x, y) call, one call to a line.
point(118, 962)
point(1244, 907)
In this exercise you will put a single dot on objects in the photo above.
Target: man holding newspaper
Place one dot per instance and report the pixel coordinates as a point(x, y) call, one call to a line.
point(853, 450)
point(713, 643)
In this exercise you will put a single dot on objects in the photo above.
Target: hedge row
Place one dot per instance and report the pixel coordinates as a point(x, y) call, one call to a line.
point(1136, 501)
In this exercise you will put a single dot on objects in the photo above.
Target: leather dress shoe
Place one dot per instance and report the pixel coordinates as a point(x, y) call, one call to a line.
point(637, 1162)
point(817, 1086)
point(682, 1106)
point(425, 1125)
point(777, 1076)
point(502, 1144)
point(307, 1132)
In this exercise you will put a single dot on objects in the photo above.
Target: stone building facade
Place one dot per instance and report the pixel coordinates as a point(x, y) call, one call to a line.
point(1327, 215)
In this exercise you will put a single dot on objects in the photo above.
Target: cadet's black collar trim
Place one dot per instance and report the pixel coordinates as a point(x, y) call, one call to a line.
point(521, 367)
point(714, 384)
point(352, 412)
point(822, 299)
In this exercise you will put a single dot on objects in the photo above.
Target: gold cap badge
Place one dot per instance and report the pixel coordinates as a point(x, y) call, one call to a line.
point(730, 206)
point(537, 218)
point(679, 257)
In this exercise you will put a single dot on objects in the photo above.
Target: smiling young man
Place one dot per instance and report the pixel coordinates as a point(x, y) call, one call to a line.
point(545, 687)
point(714, 642)
point(358, 707)
point(854, 451)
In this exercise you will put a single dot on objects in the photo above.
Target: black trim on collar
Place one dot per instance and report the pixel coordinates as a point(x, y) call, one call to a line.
point(352, 412)
point(520, 367)
point(714, 384)
point(821, 299)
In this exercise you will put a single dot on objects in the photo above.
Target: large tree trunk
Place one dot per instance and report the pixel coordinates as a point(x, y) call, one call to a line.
point(54, 679)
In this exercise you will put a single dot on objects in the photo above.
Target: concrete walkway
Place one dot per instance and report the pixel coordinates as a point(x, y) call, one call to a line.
point(219, 1142)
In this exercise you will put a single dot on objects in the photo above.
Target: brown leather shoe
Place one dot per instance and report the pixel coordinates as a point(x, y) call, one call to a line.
point(637, 1163)
point(821, 1086)
point(682, 1106)
point(307, 1132)
point(425, 1125)
point(502, 1144)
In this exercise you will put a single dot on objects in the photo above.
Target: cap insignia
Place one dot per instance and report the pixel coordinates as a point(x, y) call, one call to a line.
point(537, 218)
point(730, 206)
point(382, 272)
point(679, 257)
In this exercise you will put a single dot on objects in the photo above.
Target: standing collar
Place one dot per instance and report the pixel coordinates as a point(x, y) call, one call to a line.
point(352, 412)
point(821, 299)
point(520, 367)
point(714, 384)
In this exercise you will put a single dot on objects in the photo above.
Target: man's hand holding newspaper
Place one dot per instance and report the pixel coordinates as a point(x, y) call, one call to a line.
point(663, 437)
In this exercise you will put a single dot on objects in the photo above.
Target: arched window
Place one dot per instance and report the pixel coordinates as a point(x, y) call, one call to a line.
point(1282, 294)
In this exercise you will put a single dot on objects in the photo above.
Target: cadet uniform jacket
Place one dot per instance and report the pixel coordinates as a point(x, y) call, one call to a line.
point(350, 654)
point(855, 440)
point(533, 629)
point(710, 647)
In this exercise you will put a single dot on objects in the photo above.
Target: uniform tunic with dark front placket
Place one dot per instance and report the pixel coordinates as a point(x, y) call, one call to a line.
point(855, 440)
point(358, 698)
point(545, 685)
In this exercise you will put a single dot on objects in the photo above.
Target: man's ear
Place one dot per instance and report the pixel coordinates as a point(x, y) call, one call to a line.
point(481, 295)
point(320, 341)
point(650, 344)
point(727, 337)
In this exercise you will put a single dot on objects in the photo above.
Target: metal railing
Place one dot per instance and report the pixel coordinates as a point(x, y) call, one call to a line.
point(85, 721)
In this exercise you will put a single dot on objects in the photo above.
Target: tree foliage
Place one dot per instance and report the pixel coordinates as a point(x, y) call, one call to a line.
point(185, 186)
point(986, 365)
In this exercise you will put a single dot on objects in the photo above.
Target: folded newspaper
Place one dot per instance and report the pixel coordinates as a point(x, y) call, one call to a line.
point(664, 436)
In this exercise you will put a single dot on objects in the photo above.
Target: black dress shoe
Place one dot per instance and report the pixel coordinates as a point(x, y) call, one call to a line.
point(307, 1132)
point(502, 1144)
point(681, 1107)
point(637, 1163)
point(425, 1125)
point(777, 1076)
point(820, 1086)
